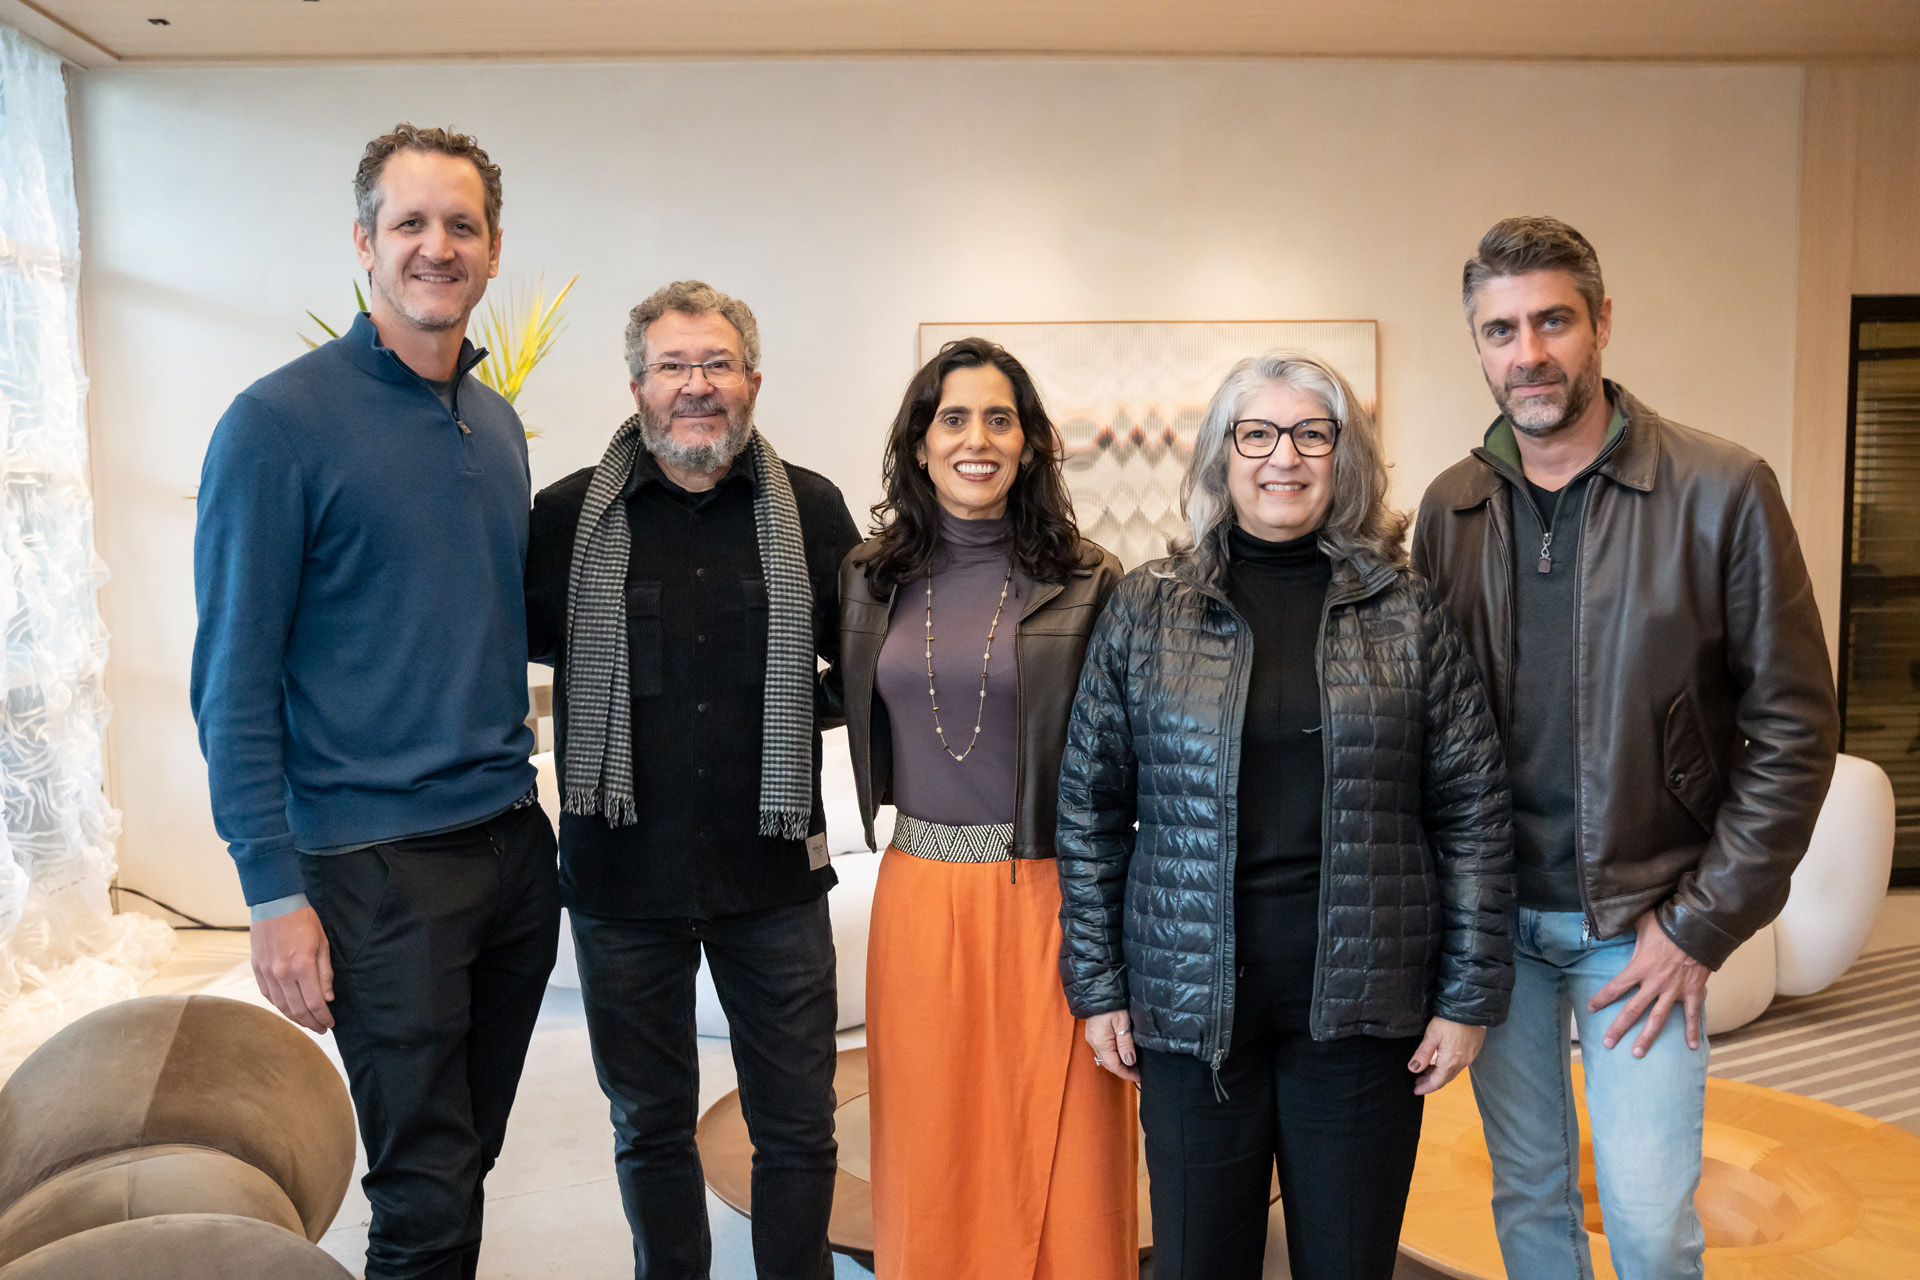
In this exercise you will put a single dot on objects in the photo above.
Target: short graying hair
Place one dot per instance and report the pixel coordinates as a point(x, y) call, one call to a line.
point(1515, 246)
point(1359, 525)
point(406, 137)
point(690, 298)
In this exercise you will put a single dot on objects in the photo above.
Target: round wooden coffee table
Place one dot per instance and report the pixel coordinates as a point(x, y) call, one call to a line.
point(726, 1154)
point(1790, 1189)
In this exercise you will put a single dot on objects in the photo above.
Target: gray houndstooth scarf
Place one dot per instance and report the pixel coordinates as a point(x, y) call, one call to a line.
point(599, 692)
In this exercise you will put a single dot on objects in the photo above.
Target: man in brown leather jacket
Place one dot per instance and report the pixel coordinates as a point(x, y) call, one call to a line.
point(1636, 598)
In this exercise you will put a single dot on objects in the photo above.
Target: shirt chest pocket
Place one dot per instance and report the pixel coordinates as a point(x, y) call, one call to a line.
point(645, 642)
point(753, 664)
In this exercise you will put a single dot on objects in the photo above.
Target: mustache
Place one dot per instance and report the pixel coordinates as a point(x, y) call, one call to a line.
point(699, 405)
point(1544, 373)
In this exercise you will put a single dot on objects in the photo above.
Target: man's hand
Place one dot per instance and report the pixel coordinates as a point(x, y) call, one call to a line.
point(1111, 1036)
point(291, 964)
point(1664, 973)
point(1447, 1050)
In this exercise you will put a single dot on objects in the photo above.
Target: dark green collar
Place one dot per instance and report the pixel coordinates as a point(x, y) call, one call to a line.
point(1501, 444)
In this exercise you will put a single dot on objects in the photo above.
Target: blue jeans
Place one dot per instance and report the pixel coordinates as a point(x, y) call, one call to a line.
point(1647, 1115)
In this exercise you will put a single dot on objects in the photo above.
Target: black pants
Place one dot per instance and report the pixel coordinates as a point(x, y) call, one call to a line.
point(1340, 1117)
point(441, 950)
point(774, 972)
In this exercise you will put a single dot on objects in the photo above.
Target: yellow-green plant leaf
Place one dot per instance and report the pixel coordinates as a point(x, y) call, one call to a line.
point(360, 304)
point(519, 335)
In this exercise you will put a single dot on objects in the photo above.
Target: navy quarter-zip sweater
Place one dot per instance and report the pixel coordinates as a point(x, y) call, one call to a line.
point(359, 673)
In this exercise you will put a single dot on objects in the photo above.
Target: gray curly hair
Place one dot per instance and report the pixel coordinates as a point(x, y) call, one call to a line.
point(1360, 526)
point(690, 298)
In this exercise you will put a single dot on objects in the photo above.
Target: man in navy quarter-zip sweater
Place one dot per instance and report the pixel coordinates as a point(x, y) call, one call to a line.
point(359, 682)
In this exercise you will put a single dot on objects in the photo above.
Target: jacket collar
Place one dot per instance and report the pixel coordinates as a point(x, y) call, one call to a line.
point(362, 345)
point(1352, 579)
point(1630, 456)
point(1359, 579)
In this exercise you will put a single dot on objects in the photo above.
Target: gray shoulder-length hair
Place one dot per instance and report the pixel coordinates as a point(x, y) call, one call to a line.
point(1360, 526)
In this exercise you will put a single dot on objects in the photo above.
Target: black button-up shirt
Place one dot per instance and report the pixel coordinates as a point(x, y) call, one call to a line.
point(697, 642)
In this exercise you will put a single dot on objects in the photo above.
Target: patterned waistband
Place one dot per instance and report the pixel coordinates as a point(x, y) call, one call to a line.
point(526, 801)
point(983, 842)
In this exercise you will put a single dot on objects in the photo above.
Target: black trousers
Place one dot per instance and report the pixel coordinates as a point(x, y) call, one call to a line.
point(774, 972)
point(441, 949)
point(1341, 1119)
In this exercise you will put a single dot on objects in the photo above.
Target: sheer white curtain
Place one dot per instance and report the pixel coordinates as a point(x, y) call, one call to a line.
point(62, 950)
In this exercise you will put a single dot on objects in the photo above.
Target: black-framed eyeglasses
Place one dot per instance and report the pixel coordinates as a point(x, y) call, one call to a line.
point(720, 373)
point(1312, 437)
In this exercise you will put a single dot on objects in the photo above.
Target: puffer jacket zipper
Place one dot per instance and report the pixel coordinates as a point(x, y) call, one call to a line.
point(1326, 813)
point(1230, 775)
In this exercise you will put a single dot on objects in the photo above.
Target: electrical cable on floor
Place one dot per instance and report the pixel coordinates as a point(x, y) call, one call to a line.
point(198, 923)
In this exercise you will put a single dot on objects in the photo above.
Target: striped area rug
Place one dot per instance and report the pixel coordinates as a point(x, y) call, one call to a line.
point(1856, 1044)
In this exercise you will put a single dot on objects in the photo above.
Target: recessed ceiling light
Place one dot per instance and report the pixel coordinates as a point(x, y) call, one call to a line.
point(159, 22)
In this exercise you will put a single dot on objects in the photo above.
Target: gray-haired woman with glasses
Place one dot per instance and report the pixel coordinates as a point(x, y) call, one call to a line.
point(1284, 843)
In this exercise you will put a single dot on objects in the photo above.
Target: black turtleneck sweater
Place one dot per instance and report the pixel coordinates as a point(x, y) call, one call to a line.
point(1280, 588)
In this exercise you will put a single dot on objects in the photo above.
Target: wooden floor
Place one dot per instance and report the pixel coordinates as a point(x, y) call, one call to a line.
point(1791, 1189)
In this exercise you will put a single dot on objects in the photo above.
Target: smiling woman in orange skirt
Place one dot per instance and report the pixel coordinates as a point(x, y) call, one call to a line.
point(1000, 1148)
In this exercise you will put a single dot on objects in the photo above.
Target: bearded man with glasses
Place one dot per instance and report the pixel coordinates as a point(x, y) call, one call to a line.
point(683, 591)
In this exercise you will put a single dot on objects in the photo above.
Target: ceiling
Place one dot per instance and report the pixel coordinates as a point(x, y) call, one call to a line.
point(102, 33)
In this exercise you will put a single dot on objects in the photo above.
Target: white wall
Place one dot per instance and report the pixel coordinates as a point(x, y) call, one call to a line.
point(848, 201)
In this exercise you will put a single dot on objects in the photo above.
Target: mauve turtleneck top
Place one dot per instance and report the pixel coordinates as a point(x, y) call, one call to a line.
point(969, 570)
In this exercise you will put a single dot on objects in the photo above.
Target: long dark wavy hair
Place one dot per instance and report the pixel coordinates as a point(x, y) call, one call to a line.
point(1046, 540)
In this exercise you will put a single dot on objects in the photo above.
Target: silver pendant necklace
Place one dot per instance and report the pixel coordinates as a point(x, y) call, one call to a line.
point(985, 658)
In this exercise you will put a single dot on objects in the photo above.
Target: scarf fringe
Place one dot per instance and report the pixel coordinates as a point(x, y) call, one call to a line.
point(619, 812)
point(784, 825)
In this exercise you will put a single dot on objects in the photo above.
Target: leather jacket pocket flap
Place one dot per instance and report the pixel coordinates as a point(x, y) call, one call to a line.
point(1689, 769)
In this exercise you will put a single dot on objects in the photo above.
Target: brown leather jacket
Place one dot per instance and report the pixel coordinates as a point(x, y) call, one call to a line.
point(1706, 723)
point(1048, 647)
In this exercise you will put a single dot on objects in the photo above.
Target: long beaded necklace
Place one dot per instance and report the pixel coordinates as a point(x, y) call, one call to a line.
point(985, 658)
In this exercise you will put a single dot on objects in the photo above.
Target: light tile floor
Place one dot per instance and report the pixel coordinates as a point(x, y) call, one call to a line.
point(552, 1208)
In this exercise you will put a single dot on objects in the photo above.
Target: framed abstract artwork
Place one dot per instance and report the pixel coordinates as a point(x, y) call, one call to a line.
point(1128, 396)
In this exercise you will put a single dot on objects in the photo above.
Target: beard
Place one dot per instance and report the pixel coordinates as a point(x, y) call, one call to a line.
point(389, 280)
point(1542, 415)
point(656, 432)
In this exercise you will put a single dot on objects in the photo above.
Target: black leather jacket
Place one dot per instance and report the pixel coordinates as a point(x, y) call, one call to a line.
point(1416, 872)
point(1707, 723)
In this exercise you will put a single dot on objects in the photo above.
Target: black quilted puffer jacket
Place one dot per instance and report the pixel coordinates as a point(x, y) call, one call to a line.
point(1416, 870)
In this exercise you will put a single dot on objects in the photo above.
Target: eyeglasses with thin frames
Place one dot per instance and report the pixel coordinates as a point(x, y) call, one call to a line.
point(1258, 438)
point(720, 373)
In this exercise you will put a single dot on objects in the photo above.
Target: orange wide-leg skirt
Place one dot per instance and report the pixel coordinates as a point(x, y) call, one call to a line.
point(1000, 1152)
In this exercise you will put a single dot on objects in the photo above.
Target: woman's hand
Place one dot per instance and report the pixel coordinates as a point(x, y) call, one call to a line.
point(1446, 1051)
point(1111, 1036)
